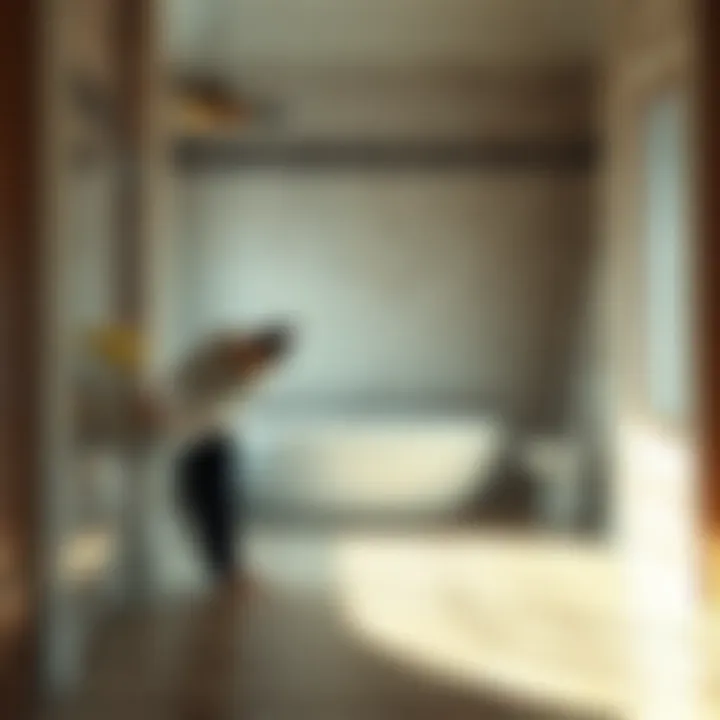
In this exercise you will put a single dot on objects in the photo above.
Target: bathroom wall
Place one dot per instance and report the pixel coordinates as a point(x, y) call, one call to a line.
point(432, 288)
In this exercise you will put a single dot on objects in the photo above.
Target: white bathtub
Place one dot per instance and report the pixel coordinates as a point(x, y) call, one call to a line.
point(370, 464)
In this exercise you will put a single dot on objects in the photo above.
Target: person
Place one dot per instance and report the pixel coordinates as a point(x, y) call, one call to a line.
point(209, 465)
point(195, 415)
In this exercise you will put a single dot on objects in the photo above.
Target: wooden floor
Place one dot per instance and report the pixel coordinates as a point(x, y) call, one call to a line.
point(275, 657)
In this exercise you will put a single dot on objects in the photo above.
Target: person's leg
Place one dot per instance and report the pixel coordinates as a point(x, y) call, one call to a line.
point(219, 526)
point(231, 519)
point(206, 474)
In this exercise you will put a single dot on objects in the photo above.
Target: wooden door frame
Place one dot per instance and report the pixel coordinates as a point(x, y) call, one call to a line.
point(21, 271)
point(709, 286)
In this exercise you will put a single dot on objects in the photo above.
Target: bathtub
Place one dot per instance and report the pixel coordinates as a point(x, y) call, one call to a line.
point(370, 464)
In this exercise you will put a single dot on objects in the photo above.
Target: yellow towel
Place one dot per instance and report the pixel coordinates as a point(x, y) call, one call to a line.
point(120, 347)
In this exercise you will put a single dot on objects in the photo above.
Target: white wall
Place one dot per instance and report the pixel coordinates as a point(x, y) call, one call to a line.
point(425, 103)
point(431, 287)
point(407, 33)
point(417, 286)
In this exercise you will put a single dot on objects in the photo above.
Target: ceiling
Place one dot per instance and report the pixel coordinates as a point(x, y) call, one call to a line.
point(241, 34)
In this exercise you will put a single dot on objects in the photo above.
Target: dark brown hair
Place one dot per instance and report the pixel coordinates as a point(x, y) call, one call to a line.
point(275, 343)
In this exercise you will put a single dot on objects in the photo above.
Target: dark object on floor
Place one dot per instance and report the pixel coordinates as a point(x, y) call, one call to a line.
point(507, 498)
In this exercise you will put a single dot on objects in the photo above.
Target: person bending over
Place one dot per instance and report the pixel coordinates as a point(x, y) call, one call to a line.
point(209, 465)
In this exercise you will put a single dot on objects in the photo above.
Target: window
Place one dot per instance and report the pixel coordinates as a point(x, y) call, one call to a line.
point(667, 253)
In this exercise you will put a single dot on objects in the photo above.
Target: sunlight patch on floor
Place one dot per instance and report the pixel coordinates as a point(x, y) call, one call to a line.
point(535, 615)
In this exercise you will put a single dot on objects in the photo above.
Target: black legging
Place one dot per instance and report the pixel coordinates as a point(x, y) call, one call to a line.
point(208, 475)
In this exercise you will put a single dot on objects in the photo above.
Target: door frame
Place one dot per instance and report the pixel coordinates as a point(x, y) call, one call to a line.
point(709, 288)
point(21, 305)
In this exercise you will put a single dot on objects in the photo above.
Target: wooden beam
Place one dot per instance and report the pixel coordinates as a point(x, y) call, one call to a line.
point(535, 155)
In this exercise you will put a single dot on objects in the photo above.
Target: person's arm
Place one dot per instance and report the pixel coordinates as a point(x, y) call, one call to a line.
point(193, 395)
point(229, 364)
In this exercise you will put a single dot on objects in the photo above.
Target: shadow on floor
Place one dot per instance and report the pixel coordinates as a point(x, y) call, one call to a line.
point(272, 658)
